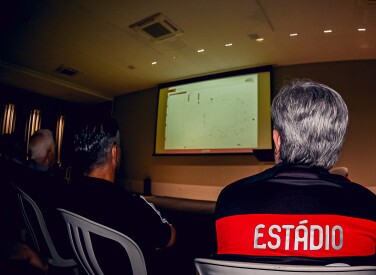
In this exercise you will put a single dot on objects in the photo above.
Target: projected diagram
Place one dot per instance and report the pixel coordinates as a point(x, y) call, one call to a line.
point(211, 116)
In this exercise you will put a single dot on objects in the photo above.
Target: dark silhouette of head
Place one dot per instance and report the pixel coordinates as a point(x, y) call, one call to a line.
point(93, 145)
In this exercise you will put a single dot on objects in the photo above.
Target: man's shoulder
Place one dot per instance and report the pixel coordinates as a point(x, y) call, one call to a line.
point(100, 193)
point(296, 189)
point(353, 189)
point(35, 180)
point(239, 185)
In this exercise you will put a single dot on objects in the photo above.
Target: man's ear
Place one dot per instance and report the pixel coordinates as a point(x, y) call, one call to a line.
point(50, 157)
point(277, 146)
point(277, 140)
point(114, 154)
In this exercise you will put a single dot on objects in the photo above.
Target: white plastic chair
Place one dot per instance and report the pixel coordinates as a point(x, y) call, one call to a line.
point(79, 229)
point(55, 259)
point(220, 267)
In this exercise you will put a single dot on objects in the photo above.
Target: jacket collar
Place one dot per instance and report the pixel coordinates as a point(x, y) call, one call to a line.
point(300, 171)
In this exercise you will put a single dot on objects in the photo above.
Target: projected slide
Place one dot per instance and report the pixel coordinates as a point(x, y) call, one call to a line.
point(213, 114)
point(224, 113)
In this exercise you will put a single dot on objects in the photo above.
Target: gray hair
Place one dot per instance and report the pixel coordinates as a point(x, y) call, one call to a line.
point(312, 121)
point(40, 143)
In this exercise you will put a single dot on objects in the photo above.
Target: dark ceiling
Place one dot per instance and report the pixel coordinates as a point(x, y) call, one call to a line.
point(92, 41)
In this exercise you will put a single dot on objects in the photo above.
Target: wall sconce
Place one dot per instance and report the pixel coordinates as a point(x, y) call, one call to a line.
point(9, 119)
point(59, 137)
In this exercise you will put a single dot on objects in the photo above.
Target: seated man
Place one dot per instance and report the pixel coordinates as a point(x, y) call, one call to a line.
point(44, 188)
point(96, 196)
point(297, 212)
point(41, 150)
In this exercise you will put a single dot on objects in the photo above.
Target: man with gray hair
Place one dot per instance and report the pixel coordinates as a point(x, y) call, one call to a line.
point(45, 189)
point(297, 212)
point(41, 150)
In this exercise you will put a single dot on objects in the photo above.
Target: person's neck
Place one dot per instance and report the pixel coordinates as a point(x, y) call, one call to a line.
point(103, 172)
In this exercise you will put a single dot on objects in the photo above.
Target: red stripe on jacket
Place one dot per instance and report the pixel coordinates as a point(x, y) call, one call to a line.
point(296, 235)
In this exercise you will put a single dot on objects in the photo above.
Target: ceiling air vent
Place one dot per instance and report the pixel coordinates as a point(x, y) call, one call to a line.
point(156, 28)
point(66, 70)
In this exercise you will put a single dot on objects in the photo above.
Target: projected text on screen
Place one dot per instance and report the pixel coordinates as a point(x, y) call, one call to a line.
point(224, 113)
point(208, 115)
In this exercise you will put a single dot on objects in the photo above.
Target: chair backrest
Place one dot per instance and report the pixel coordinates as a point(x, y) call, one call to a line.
point(80, 228)
point(67, 176)
point(219, 267)
point(55, 259)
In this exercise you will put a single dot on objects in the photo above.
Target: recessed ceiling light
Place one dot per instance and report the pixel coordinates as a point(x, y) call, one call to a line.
point(327, 31)
point(228, 45)
point(201, 50)
point(293, 34)
point(361, 29)
point(154, 63)
point(260, 39)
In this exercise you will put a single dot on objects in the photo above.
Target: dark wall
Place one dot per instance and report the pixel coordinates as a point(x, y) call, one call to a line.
point(51, 109)
point(26, 101)
point(136, 112)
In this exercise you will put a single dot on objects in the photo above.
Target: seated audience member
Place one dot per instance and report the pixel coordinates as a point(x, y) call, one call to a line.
point(44, 189)
point(34, 178)
point(41, 150)
point(297, 212)
point(15, 256)
point(95, 196)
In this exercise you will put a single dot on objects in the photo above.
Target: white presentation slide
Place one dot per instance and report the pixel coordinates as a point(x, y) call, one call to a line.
point(211, 115)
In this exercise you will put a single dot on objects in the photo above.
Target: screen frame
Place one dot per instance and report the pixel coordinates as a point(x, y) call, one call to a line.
point(253, 70)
